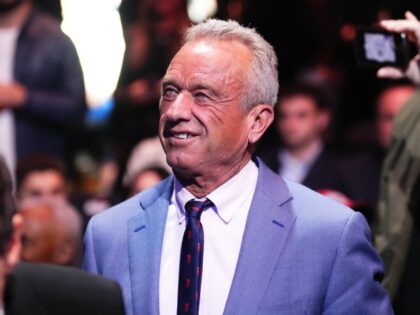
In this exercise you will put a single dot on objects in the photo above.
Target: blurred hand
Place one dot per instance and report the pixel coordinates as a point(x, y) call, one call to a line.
point(12, 95)
point(411, 26)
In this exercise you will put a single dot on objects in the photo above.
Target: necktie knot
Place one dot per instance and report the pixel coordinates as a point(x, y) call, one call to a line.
point(194, 208)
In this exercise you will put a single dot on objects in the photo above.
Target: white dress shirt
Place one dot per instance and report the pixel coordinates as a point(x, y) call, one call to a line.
point(223, 225)
point(8, 38)
point(295, 169)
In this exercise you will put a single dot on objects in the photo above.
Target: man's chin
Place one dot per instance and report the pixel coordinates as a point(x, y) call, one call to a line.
point(175, 161)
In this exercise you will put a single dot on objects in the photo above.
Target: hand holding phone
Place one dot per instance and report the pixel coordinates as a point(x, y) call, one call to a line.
point(376, 48)
point(411, 26)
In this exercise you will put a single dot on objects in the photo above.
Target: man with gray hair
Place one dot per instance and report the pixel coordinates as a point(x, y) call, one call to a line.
point(224, 234)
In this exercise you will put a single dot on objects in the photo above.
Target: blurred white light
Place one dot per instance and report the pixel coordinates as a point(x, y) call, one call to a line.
point(199, 10)
point(95, 28)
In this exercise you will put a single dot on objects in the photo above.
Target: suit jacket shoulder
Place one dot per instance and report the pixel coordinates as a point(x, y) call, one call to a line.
point(51, 290)
point(305, 254)
point(115, 218)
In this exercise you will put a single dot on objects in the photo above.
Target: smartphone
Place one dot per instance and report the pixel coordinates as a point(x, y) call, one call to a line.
point(375, 48)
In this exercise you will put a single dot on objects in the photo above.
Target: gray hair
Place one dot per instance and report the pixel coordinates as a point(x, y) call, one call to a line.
point(262, 79)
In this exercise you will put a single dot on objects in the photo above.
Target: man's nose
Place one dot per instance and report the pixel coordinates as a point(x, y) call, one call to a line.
point(180, 108)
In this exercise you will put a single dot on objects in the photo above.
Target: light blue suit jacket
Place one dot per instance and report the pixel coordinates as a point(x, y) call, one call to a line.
point(301, 253)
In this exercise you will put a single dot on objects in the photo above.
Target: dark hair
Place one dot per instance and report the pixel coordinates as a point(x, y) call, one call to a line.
point(7, 206)
point(308, 90)
point(36, 163)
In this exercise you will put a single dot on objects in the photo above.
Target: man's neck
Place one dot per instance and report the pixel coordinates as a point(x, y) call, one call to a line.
point(17, 16)
point(202, 185)
point(306, 152)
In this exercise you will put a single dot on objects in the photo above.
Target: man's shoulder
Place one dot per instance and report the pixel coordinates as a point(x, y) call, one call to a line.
point(57, 278)
point(310, 203)
point(307, 205)
point(40, 23)
point(61, 290)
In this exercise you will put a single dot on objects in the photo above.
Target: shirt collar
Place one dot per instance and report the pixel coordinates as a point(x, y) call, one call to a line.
point(227, 198)
point(307, 160)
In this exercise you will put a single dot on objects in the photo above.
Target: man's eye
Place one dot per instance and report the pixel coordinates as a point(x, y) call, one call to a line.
point(201, 96)
point(169, 92)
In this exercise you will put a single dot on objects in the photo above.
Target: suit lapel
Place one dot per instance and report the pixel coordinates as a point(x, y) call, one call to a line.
point(269, 222)
point(145, 238)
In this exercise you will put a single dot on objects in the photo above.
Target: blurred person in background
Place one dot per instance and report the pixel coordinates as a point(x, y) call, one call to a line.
point(41, 83)
point(146, 178)
point(301, 154)
point(397, 231)
point(362, 171)
point(146, 166)
point(43, 177)
point(389, 103)
point(38, 289)
point(52, 232)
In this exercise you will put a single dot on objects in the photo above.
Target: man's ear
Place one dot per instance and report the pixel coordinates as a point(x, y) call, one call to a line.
point(324, 119)
point(260, 118)
point(14, 247)
point(65, 253)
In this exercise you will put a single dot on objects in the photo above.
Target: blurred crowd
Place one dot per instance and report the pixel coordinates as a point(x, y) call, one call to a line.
point(332, 130)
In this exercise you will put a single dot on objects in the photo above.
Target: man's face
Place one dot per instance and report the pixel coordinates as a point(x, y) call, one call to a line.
point(203, 126)
point(388, 105)
point(45, 184)
point(39, 235)
point(300, 122)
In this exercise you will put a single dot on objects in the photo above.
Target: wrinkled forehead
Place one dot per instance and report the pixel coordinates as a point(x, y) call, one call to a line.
point(210, 62)
point(212, 56)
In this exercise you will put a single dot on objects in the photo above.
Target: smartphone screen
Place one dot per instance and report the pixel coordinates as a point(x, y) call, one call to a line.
point(379, 47)
point(376, 48)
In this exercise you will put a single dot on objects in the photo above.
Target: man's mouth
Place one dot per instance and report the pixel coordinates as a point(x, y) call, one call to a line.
point(183, 135)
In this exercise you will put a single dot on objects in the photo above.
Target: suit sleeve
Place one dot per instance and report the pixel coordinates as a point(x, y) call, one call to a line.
point(65, 103)
point(354, 286)
point(89, 258)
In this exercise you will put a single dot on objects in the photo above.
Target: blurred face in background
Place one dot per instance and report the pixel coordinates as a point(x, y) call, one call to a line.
point(300, 122)
point(388, 105)
point(40, 235)
point(45, 184)
point(144, 180)
point(51, 231)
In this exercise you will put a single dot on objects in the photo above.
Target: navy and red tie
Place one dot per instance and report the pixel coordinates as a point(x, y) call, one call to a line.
point(191, 260)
